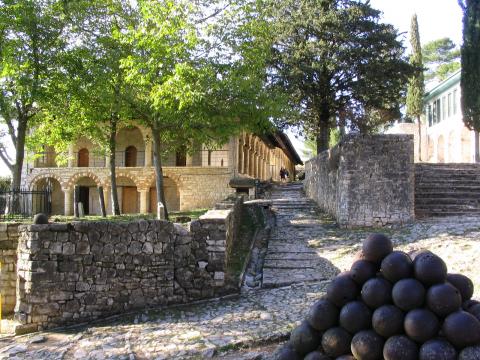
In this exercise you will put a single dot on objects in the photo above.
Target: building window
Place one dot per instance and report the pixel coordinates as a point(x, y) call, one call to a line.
point(444, 108)
point(439, 111)
point(455, 101)
point(82, 160)
point(449, 104)
point(131, 156)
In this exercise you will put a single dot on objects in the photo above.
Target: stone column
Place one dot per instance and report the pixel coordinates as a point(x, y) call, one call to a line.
point(143, 201)
point(189, 160)
point(148, 153)
point(240, 155)
point(68, 201)
point(71, 156)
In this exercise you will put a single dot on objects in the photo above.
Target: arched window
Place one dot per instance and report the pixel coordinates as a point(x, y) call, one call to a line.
point(131, 156)
point(83, 158)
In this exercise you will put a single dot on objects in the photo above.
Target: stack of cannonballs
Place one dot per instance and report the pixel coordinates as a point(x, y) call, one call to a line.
point(391, 306)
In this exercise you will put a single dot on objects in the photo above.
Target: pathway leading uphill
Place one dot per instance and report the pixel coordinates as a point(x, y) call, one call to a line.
point(289, 257)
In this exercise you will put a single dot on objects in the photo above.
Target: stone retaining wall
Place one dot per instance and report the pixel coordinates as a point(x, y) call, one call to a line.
point(8, 259)
point(366, 180)
point(69, 273)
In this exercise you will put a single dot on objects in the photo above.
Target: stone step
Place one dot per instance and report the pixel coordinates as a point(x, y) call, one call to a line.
point(290, 264)
point(426, 201)
point(281, 255)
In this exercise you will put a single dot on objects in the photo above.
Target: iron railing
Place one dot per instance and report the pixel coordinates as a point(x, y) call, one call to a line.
point(24, 203)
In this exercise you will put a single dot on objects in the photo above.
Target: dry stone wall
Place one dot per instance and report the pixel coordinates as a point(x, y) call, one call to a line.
point(366, 180)
point(69, 273)
point(8, 260)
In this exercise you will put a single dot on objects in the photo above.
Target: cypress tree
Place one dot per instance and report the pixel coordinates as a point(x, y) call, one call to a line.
point(470, 78)
point(416, 86)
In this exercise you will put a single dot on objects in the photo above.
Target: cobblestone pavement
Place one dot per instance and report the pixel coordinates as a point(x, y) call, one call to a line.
point(214, 329)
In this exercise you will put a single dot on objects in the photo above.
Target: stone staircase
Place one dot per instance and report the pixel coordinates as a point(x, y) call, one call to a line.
point(447, 189)
point(289, 259)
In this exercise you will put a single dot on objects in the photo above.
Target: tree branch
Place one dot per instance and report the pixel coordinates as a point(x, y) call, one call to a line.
point(462, 4)
point(6, 159)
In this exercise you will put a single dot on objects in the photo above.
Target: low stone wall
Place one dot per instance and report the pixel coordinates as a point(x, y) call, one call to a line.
point(366, 180)
point(69, 273)
point(8, 259)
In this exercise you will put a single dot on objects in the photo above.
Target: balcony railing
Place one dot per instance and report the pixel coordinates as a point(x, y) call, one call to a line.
point(202, 158)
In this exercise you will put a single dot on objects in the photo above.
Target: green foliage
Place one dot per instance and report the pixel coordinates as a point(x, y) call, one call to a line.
point(335, 56)
point(470, 82)
point(442, 58)
point(416, 87)
point(5, 182)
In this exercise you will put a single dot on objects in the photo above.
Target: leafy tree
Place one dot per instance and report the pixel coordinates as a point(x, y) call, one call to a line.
point(416, 87)
point(186, 90)
point(470, 78)
point(30, 39)
point(442, 58)
point(335, 56)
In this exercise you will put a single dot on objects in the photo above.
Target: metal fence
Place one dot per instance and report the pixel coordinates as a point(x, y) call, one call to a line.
point(24, 203)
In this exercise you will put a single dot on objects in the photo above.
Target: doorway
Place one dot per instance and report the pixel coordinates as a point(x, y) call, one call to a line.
point(129, 200)
point(84, 198)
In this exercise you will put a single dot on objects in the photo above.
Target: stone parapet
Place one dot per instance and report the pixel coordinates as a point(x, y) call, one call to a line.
point(69, 273)
point(366, 180)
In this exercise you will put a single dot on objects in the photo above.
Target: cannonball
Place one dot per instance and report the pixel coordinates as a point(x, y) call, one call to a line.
point(288, 353)
point(421, 325)
point(376, 246)
point(316, 355)
point(341, 290)
point(416, 254)
point(355, 316)
point(408, 294)
point(400, 347)
point(437, 349)
point(323, 315)
point(304, 338)
point(397, 266)
point(470, 353)
point(462, 329)
point(376, 292)
point(359, 255)
point(443, 299)
point(40, 219)
point(463, 284)
point(367, 345)
point(388, 320)
point(430, 269)
point(475, 311)
point(469, 303)
point(336, 342)
point(363, 270)
point(345, 357)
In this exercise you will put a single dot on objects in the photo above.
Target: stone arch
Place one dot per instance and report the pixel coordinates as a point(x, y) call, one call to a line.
point(452, 147)
point(441, 149)
point(36, 178)
point(466, 145)
point(128, 194)
point(74, 178)
point(171, 187)
point(55, 199)
point(128, 175)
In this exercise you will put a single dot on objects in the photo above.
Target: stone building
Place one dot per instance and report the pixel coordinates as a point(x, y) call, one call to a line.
point(196, 180)
point(444, 137)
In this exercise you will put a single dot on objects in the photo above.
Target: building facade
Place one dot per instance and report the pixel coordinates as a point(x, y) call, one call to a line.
point(444, 136)
point(191, 181)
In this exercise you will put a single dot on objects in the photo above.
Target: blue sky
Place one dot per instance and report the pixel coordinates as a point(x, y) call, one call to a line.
point(436, 18)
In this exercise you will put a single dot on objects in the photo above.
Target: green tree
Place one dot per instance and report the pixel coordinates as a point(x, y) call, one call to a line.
point(416, 87)
point(442, 58)
point(187, 90)
point(335, 56)
point(30, 39)
point(470, 78)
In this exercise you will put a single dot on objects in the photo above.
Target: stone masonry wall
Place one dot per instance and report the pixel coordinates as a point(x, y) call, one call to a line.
point(366, 180)
point(8, 259)
point(69, 273)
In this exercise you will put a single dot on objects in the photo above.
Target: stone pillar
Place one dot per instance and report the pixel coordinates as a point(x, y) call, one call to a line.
point(68, 201)
point(71, 156)
point(148, 153)
point(240, 155)
point(143, 201)
point(189, 160)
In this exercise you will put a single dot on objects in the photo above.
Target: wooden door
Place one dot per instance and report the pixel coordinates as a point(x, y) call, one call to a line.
point(131, 156)
point(129, 200)
point(83, 158)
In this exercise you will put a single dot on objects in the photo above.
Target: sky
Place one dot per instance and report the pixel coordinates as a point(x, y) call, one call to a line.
point(436, 19)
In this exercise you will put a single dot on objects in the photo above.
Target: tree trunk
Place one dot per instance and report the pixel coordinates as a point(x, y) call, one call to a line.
point(477, 150)
point(323, 135)
point(113, 177)
point(157, 162)
point(419, 139)
point(20, 154)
